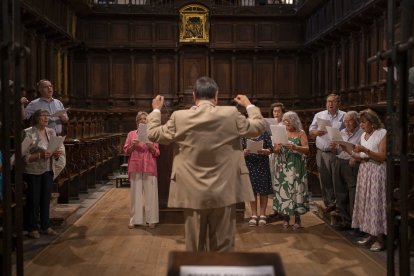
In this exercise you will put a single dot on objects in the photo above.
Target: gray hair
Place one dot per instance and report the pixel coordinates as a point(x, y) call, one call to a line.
point(353, 115)
point(205, 88)
point(294, 119)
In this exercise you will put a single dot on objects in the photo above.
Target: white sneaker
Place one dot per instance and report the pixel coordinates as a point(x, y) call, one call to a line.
point(151, 225)
point(131, 226)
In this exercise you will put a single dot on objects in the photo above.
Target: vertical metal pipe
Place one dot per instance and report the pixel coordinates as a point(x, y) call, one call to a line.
point(404, 255)
point(390, 144)
point(5, 138)
point(18, 172)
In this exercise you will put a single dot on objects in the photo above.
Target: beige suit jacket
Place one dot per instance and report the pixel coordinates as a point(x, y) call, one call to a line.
point(209, 170)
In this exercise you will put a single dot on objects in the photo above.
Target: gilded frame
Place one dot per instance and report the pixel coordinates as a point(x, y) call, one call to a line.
point(194, 24)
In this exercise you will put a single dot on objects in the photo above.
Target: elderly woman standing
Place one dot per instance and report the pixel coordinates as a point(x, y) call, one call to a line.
point(291, 187)
point(370, 199)
point(38, 174)
point(142, 172)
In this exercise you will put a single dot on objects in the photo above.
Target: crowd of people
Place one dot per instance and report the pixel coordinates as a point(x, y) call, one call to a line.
point(214, 168)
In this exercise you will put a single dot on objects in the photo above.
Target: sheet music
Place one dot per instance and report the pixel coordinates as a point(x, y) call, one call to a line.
point(349, 146)
point(279, 134)
point(142, 133)
point(322, 123)
point(254, 146)
point(334, 134)
point(55, 142)
point(59, 112)
point(270, 122)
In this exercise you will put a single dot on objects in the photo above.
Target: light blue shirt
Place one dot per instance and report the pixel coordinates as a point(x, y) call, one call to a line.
point(354, 138)
point(53, 106)
point(337, 121)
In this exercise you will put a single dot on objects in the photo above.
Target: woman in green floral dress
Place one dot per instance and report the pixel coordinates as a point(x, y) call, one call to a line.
point(291, 181)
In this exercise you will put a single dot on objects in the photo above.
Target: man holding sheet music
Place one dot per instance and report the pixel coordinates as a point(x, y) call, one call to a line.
point(325, 158)
point(346, 170)
point(46, 101)
point(209, 174)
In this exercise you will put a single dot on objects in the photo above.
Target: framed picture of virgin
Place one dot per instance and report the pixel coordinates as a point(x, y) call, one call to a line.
point(194, 24)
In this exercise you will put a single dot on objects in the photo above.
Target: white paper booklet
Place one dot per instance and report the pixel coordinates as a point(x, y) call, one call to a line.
point(334, 134)
point(270, 122)
point(279, 134)
point(142, 133)
point(254, 146)
point(55, 142)
point(336, 137)
point(59, 112)
point(322, 123)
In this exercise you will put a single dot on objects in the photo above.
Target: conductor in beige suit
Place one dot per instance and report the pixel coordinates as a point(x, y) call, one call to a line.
point(209, 174)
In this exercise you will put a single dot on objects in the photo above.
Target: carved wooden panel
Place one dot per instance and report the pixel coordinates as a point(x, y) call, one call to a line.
point(304, 77)
point(194, 66)
point(244, 76)
point(121, 76)
point(99, 76)
point(286, 76)
point(80, 75)
point(143, 32)
point(166, 33)
point(165, 76)
point(222, 33)
point(97, 31)
point(266, 33)
point(143, 76)
point(373, 48)
point(222, 76)
point(245, 34)
point(119, 32)
point(264, 77)
point(289, 31)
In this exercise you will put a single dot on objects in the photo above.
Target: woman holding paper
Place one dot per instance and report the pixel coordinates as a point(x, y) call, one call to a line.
point(275, 159)
point(370, 199)
point(38, 174)
point(142, 172)
point(291, 182)
point(257, 161)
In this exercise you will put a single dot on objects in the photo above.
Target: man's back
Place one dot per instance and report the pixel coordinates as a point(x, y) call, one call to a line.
point(209, 170)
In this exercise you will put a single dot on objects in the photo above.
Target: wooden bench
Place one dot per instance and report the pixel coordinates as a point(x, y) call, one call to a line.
point(120, 180)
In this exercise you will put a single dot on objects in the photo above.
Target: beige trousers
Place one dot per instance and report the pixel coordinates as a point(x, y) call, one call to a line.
point(210, 229)
point(144, 194)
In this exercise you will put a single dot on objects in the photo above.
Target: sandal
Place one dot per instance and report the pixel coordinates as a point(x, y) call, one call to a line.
point(253, 221)
point(297, 224)
point(377, 246)
point(262, 221)
point(286, 222)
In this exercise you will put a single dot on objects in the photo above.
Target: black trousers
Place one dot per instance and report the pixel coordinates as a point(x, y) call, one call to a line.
point(345, 178)
point(39, 189)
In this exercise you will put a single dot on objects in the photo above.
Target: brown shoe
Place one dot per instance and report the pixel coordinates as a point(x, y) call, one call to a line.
point(329, 209)
point(49, 231)
point(34, 234)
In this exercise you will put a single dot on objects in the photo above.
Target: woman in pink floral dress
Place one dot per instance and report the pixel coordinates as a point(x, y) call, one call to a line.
point(370, 199)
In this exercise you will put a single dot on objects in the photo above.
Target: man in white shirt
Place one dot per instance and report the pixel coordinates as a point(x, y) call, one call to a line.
point(325, 158)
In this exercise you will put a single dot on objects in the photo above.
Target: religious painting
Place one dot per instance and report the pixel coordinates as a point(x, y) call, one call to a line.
point(194, 24)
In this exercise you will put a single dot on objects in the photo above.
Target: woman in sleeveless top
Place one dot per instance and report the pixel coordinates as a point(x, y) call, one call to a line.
point(291, 185)
point(370, 198)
